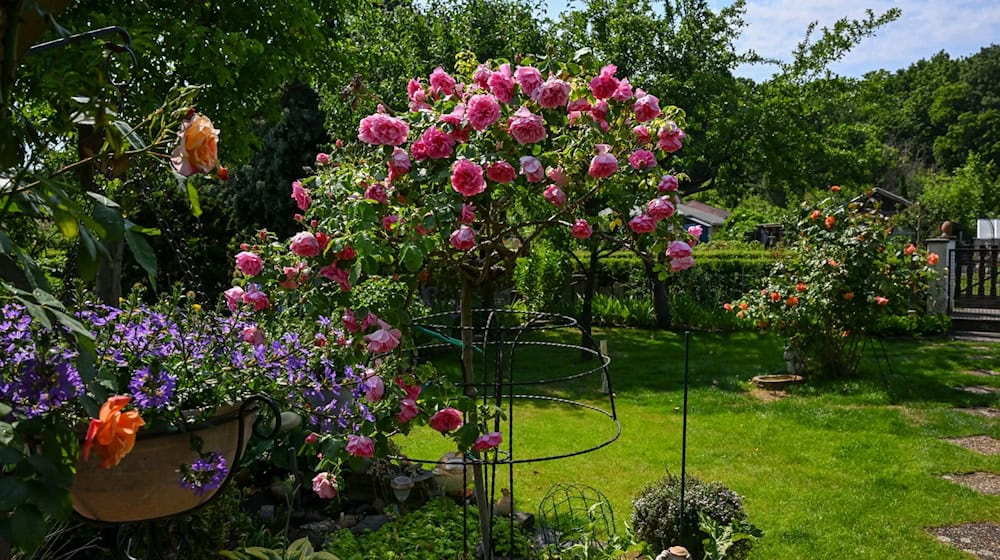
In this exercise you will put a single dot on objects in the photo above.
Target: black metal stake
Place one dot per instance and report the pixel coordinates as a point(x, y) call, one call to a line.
point(684, 432)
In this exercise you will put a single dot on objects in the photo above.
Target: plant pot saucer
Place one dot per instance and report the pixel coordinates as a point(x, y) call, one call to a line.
point(777, 382)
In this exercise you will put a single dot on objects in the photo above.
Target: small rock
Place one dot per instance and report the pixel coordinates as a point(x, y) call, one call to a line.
point(370, 523)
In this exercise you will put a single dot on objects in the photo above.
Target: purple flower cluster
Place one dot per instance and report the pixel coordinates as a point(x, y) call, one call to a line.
point(38, 373)
point(204, 475)
point(152, 387)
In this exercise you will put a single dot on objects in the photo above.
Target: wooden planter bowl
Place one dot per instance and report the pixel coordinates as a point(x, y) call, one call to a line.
point(145, 485)
point(776, 382)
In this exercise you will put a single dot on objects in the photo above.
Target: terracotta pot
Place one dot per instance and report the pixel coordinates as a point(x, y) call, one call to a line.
point(145, 485)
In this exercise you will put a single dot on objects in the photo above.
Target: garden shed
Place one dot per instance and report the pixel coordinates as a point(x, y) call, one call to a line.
point(705, 215)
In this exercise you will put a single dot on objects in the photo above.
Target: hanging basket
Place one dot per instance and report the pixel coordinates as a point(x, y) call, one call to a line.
point(145, 484)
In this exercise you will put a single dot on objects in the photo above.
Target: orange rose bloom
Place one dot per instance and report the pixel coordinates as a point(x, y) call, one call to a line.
point(835, 188)
point(792, 301)
point(775, 296)
point(727, 306)
point(814, 215)
point(113, 434)
point(881, 300)
point(801, 286)
point(197, 151)
point(910, 249)
point(932, 258)
point(744, 306)
point(832, 263)
point(848, 296)
point(830, 220)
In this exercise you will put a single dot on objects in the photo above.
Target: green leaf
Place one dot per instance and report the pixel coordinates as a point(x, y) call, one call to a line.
point(27, 529)
point(111, 220)
point(143, 254)
point(6, 433)
point(193, 198)
point(103, 200)
point(129, 133)
point(412, 258)
point(66, 222)
point(301, 548)
point(86, 260)
point(13, 492)
point(132, 226)
point(37, 312)
point(51, 499)
point(9, 456)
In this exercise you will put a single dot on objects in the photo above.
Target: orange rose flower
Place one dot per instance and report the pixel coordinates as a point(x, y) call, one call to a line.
point(848, 296)
point(197, 151)
point(727, 306)
point(830, 220)
point(775, 296)
point(932, 258)
point(744, 306)
point(792, 301)
point(832, 263)
point(112, 435)
point(801, 287)
point(881, 300)
point(814, 215)
point(740, 314)
point(835, 188)
point(910, 249)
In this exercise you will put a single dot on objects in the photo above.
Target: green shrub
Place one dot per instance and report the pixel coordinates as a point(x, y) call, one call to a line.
point(627, 311)
point(912, 325)
point(655, 514)
point(543, 278)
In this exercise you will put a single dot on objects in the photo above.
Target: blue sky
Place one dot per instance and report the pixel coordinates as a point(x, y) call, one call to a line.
point(774, 27)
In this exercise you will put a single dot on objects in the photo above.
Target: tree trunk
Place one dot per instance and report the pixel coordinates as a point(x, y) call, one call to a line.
point(661, 301)
point(587, 314)
point(479, 480)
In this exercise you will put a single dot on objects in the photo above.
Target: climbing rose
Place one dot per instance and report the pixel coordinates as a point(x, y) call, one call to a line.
point(642, 223)
point(385, 339)
point(487, 441)
point(304, 244)
point(641, 133)
point(910, 249)
point(301, 196)
point(417, 95)
point(604, 84)
point(695, 233)
point(483, 110)
point(500, 172)
point(112, 433)
point(553, 93)
point(582, 230)
point(646, 107)
point(579, 105)
point(463, 238)
point(467, 178)
point(360, 446)
point(322, 158)
point(442, 82)
point(376, 192)
point(399, 163)
point(468, 214)
point(670, 137)
point(932, 258)
point(668, 184)
point(623, 92)
point(660, 208)
point(252, 335)
point(532, 169)
point(446, 420)
point(526, 127)
point(604, 163)
point(197, 149)
point(530, 79)
point(482, 76)
point(249, 264)
point(325, 485)
point(501, 84)
point(335, 274)
point(678, 249)
point(407, 411)
point(555, 195)
point(433, 144)
point(381, 129)
point(642, 159)
point(234, 296)
point(557, 176)
point(390, 222)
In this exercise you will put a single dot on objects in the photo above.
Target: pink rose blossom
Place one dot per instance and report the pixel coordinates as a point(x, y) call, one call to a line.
point(557, 176)
point(441, 82)
point(313, 437)
point(446, 420)
point(325, 485)
point(381, 129)
point(483, 111)
point(412, 391)
point(642, 159)
point(532, 169)
point(383, 340)
point(681, 263)
point(339, 275)
point(417, 95)
point(660, 208)
point(253, 335)
point(642, 223)
point(695, 233)
point(641, 134)
point(488, 441)
point(377, 192)
point(582, 230)
point(482, 76)
point(454, 118)
point(305, 244)
point(500, 172)
point(553, 93)
point(468, 214)
point(467, 178)
point(501, 84)
point(530, 79)
point(555, 195)
point(234, 296)
point(249, 263)
point(294, 276)
point(526, 127)
point(399, 163)
point(604, 84)
point(360, 446)
point(678, 249)
point(433, 144)
point(256, 298)
point(623, 92)
point(407, 411)
point(374, 388)
point(369, 321)
point(670, 137)
point(604, 163)
point(463, 238)
point(301, 196)
point(599, 112)
point(322, 158)
point(646, 107)
point(390, 222)
point(668, 184)
point(581, 105)
point(350, 321)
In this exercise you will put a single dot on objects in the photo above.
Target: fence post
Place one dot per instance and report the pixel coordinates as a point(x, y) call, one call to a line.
point(937, 295)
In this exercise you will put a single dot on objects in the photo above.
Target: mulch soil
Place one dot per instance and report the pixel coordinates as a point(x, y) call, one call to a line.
point(982, 411)
point(982, 482)
point(980, 444)
point(981, 540)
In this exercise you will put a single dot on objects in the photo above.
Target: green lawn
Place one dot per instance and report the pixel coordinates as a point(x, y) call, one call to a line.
point(838, 469)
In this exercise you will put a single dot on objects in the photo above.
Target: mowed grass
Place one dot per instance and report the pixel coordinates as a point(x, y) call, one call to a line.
point(839, 468)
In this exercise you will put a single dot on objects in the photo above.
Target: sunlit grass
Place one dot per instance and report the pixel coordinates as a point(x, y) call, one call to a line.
point(840, 468)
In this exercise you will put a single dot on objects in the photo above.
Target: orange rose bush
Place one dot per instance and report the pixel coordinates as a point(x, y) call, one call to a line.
point(843, 270)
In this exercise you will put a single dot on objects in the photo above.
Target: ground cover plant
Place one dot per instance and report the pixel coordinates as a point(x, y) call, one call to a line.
point(836, 467)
